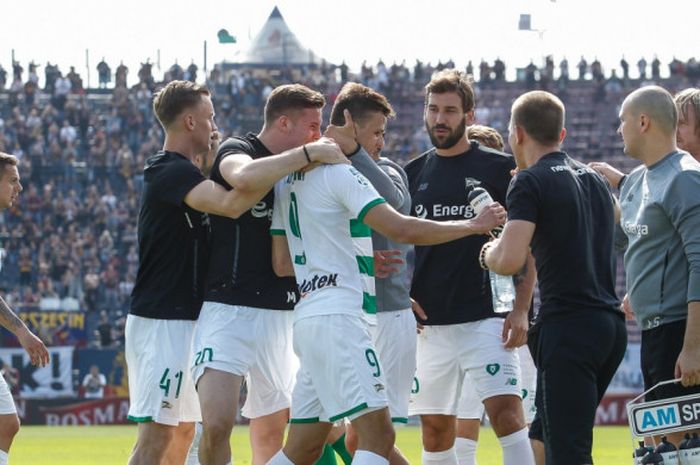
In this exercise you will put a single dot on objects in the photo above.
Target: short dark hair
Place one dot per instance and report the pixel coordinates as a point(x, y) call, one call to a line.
point(360, 101)
point(174, 98)
point(486, 136)
point(452, 80)
point(291, 97)
point(541, 115)
point(7, 160)
point(689, 98)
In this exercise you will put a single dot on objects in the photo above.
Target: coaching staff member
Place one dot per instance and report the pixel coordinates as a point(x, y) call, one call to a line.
point(566, 213)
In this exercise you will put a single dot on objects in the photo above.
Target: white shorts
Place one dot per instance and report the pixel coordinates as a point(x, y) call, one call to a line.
point(446, 353)
point(395, 340)
point(251, 342)
point(529, 388)
point(7, 403)
point(340, 374)
point(470, 407)
point(158, 360)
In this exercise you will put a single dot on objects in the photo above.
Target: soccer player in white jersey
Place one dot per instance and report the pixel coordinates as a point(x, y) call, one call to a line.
point(394, 335)
point(326, 215)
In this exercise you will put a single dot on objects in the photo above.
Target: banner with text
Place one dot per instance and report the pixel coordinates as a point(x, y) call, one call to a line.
point(55, 327)
point(53, 380)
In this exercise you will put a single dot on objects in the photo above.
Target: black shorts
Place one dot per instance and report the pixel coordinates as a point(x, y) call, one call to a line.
point(576, 357)
point(659, 353)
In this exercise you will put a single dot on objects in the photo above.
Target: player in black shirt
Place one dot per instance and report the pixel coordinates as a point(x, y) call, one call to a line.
point(244, 329)
point(462, 333)
point(565, 212)
point(169, 284)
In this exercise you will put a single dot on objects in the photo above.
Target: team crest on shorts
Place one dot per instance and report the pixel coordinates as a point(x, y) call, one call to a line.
point(493, 368)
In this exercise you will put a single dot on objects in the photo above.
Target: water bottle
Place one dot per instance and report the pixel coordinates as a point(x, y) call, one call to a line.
point(640, 452)
point(668, 451)
point(653, 458)
point(689, 453)
point(502, 289)
point(479, 198)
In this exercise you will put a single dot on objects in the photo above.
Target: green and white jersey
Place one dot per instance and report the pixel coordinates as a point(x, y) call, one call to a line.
point(321, 214)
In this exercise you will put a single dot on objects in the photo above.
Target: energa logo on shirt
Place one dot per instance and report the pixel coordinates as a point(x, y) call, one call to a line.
point(636, 229)
point(439, 211)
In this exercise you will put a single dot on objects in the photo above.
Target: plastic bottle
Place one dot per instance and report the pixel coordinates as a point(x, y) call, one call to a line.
point(502, 288)
point(668, 451)
point(640, 452)
point(690, 453)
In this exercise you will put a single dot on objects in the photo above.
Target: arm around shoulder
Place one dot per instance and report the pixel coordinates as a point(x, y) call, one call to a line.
point(210, 197)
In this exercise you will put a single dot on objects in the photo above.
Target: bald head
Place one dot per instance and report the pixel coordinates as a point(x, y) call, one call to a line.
point(657, 104)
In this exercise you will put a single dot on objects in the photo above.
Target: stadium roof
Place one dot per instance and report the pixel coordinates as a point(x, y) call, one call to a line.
point(276, 44)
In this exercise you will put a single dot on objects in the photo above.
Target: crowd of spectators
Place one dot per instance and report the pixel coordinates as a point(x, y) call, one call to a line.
point(72, 235)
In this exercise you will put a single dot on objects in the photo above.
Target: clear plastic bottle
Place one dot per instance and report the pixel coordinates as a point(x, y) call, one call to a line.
point(502, 288)
point(502, 291)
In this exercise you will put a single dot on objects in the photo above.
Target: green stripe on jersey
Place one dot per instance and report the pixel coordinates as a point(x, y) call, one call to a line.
point(366, 265)
point(277, 232)
point(369, 303)
point(368, 207)
point(359, 229)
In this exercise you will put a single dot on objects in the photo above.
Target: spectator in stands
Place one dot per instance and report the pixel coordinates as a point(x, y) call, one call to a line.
point(94, 383)
point(105, 329)
point(120, 75)
point(656, 68)
point(104, 73)
point(642, 67)
point(625, 69)
point(582, 68)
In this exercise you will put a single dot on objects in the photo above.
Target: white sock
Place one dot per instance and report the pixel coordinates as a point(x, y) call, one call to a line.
point(193, 453)
point(365, 457)
point(445, 457)
point(516, 449)
point(280, 459)
point(4, 459)
point(466, 451)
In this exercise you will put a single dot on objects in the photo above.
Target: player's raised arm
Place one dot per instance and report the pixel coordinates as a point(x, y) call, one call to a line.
point(409, 230)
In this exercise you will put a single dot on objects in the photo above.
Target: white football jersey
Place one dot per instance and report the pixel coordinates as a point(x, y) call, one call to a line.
point(321, 213)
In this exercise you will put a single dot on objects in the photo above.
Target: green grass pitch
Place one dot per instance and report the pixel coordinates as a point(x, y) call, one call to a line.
point(110, 445)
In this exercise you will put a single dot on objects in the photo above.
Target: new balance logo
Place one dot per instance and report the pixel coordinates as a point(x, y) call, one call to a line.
point(318, 282)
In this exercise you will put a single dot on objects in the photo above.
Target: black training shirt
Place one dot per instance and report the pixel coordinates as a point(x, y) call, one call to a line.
point(240, 266)
point(448, 281)
point(172, 242)
point(572, 208)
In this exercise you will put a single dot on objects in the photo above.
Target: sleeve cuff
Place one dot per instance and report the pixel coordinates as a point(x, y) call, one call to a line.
point(368, 207)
